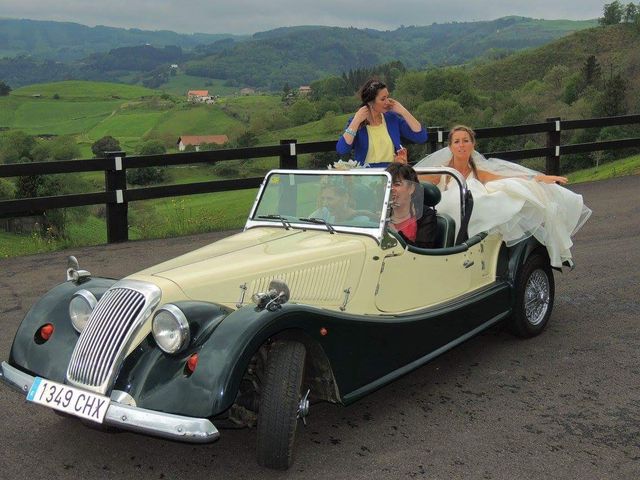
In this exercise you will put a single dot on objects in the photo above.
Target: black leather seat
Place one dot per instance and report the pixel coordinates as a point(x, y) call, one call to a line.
point(446, 229)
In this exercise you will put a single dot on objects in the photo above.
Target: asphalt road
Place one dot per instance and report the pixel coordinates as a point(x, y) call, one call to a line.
point(564, 405)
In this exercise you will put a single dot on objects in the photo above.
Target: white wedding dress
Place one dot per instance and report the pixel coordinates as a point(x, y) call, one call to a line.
point(516, 206)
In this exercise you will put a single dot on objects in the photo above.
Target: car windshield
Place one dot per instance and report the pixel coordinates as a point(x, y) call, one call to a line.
point(326, 200)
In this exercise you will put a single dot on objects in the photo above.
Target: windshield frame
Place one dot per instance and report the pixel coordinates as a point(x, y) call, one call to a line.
point(375, 233)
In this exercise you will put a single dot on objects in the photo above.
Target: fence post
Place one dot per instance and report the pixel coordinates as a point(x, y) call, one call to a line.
point(115, 179)
point(552, 166)
point(289, 160)
point(436, 138)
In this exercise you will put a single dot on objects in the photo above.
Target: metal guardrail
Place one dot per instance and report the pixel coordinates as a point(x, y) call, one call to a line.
point(116, 196)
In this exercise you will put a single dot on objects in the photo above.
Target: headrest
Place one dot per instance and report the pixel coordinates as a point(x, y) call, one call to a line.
point(432, 194)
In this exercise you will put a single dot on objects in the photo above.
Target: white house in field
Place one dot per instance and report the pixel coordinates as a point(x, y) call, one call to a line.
point(197, 140)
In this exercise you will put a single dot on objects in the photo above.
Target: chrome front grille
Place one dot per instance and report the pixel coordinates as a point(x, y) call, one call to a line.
point(111, 326)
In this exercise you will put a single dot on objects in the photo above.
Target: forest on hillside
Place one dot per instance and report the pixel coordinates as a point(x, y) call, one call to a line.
point(39, 52)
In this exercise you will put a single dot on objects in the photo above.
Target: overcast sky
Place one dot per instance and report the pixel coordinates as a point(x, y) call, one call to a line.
point(250, 16)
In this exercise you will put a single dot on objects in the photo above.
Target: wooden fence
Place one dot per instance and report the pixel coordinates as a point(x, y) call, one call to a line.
point(116, 196)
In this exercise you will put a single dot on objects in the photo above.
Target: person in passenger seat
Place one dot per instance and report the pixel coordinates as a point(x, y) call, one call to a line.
point(415, 222)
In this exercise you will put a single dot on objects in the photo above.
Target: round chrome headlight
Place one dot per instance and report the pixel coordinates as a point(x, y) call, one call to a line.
point(170, 329)
point(80, 307)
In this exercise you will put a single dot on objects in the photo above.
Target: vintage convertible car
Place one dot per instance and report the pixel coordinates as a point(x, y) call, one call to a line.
point(299, 307)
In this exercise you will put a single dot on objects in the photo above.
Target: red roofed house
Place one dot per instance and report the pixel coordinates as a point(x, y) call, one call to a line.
point(197, 140)
point(198, 96)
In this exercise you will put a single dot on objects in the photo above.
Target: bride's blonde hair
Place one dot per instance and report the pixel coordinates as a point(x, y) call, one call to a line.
point(472, 136)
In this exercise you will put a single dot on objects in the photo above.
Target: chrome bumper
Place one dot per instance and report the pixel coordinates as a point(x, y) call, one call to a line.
point(148, 422)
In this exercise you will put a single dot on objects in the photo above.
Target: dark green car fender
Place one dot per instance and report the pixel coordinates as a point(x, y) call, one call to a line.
point(518, 255)
point(50, 359)
point(225, 342)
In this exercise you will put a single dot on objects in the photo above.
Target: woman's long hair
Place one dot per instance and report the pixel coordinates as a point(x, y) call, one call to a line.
point(368, 93)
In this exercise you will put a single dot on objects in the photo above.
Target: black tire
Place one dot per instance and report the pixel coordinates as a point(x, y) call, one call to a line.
point(279, 400)
point(535, 291)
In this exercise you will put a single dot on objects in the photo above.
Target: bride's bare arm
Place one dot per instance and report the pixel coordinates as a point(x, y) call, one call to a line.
point(435, 179)
point(551, 179)
point(485, 177)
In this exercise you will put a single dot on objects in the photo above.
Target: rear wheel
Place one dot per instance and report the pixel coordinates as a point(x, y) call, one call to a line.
point(535, 289)
point(281, 404)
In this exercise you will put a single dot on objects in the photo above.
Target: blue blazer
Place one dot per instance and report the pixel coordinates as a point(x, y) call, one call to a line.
point(397, 128)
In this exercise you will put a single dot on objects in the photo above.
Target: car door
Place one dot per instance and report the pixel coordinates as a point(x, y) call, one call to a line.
point(410, 280)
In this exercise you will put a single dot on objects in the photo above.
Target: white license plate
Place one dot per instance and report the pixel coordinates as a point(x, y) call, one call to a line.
point(69, 399)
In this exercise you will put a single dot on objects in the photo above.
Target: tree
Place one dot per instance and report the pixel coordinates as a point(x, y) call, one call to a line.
point(148, 175)
point(409, 89)
point(54, 223)
point(440, 82)
point(441, 112)
point(105, 144)
point(59, 148)
point(15, 146)
point(591, 71)
point(612, 101)
point(573, 88)
point(630, 13)
point(4, 89)
point(303, 111)
point(7, 189)
point(246, 139)
point(286, 90)
point(556, 76)
point(613, 13)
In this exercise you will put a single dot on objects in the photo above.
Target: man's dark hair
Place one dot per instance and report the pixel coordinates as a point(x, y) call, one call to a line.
point(402, 171)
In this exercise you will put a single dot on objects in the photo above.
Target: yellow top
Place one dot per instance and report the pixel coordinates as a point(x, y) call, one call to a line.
point(380, 144)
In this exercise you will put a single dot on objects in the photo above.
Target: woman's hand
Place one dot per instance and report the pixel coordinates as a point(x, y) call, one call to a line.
point(551, 179)
point(396, 106)
point(402, 156)
point(361, 115)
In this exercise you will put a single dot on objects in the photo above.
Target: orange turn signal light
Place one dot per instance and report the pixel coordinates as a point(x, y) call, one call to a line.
point(46, 331)
point(192, 363)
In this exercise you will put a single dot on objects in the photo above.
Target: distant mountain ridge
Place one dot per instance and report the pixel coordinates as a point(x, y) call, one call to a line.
point(33, 50)
point(68, 41)
point(302, 54)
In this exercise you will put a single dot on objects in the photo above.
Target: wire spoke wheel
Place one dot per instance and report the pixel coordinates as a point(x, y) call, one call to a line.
point(537, 297)
point(534, 296)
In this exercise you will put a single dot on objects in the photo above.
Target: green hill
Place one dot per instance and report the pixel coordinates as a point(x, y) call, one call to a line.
point(301, 54)
point(615, 46)
point(132, 114)
point(36, 52)
point(66, 41)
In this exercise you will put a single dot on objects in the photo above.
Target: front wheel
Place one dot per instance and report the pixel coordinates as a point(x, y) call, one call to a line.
point(280, 404)
point(535, 289)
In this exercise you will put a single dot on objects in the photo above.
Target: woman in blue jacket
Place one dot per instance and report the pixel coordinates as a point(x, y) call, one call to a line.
point(374, 132)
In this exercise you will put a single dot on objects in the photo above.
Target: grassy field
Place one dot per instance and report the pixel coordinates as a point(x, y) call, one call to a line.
point(193, 120)
point(61, 118)
point(617, 168)
point(131, 114)
point(82, 90)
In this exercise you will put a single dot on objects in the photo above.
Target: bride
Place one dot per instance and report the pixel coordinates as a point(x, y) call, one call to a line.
point(509, 198)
